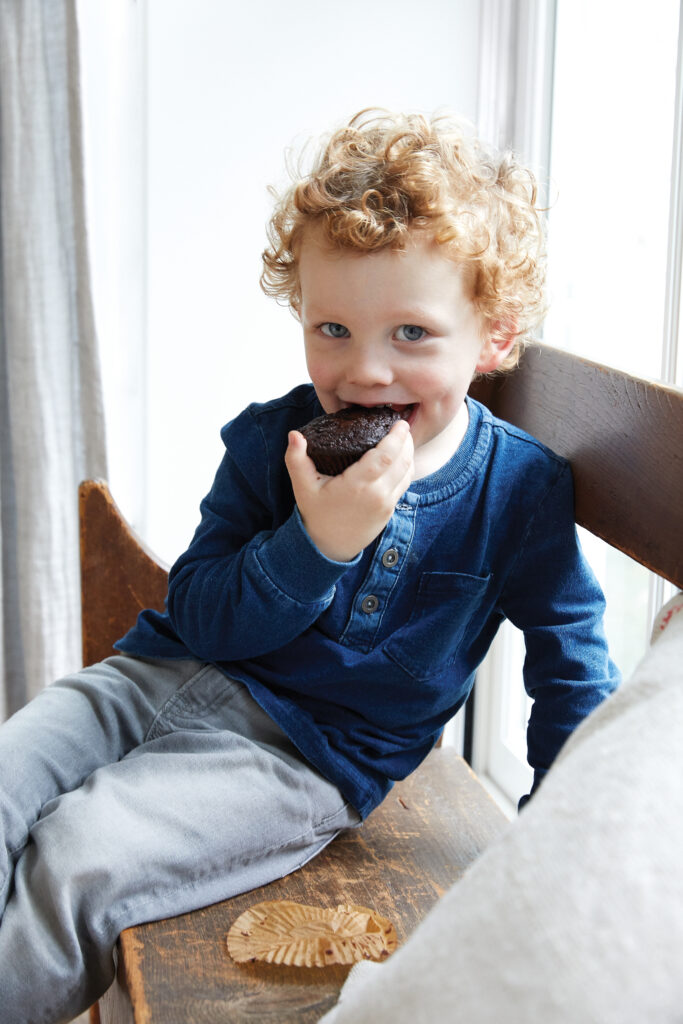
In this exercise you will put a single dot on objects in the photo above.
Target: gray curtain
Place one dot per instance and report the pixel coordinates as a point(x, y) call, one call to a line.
point(51, 418)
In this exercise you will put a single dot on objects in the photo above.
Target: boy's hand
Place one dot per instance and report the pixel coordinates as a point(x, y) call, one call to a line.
point(344, 513)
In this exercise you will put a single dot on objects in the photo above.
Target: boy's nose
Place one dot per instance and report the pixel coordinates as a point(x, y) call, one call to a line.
point(367, 368)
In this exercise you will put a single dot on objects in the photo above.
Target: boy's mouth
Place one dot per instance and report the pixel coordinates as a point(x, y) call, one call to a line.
point(406, 410)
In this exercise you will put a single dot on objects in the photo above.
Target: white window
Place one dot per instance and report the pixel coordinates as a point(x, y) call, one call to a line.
point(612, 144)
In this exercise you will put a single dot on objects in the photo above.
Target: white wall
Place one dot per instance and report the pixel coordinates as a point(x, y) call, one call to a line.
point(113, 61)
point(227, 87)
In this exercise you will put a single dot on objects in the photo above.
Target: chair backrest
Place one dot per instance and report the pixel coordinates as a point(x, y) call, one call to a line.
point(119, 576)
point(623, 436)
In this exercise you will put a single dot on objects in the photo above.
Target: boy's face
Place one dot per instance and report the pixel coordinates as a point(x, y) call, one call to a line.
point(395, 328)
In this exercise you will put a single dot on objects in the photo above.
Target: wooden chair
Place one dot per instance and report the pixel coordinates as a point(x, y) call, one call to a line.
point(623, 437)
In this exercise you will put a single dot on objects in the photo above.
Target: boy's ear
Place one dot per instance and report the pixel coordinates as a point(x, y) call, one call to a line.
point(497, 345)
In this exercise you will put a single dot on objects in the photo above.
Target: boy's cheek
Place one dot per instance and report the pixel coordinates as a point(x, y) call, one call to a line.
point(322, 382)
point(326, 394)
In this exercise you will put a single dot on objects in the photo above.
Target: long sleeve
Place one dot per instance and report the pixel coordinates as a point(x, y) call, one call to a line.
point(247, 584)
point(553, 596)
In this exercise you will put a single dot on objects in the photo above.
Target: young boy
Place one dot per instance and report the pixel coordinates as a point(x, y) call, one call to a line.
point(320, 631)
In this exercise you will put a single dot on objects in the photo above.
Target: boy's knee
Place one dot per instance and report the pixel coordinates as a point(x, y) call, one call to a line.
point(69, 856)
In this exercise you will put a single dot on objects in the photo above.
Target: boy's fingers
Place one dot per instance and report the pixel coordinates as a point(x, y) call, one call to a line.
point(392, 457)
point(400, 435)
point(396, 440)
point(300, 468)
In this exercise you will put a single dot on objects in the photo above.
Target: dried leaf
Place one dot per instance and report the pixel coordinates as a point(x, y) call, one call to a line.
point(282, 932)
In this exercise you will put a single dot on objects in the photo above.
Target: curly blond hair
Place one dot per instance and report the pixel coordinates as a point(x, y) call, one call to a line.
point(383, 175)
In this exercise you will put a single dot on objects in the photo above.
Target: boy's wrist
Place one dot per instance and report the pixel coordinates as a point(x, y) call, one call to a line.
point(337, 550)
point(296, 566)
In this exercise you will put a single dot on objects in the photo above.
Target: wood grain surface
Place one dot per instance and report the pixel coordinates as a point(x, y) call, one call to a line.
point(119, 576)
point(408, 853)
point(623, 437)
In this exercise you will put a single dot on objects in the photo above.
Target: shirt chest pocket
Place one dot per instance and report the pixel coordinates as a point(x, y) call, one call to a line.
point(444, 607)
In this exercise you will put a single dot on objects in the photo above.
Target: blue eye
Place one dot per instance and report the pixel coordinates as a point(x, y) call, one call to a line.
point(410, 332)
point(334, 330)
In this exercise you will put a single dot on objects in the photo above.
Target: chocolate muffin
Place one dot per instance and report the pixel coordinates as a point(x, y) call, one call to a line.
point(340, 438)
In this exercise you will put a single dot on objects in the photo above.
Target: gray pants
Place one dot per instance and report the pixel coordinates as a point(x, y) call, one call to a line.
point(131, 791)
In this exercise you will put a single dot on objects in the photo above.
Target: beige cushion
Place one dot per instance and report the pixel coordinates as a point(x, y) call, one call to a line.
point(576, 913)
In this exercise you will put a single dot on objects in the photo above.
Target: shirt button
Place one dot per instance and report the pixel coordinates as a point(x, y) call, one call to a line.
point(370, 604)
point(390, 557)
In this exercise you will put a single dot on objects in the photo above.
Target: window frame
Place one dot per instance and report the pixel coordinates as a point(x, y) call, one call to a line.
point(518, 41)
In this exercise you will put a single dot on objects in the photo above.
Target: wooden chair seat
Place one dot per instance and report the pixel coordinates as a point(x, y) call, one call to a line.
point(407, 854)
point(623, 437)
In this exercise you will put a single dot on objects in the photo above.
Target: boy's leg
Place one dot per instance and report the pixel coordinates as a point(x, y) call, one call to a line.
point(85, 720)
point(216, 801)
